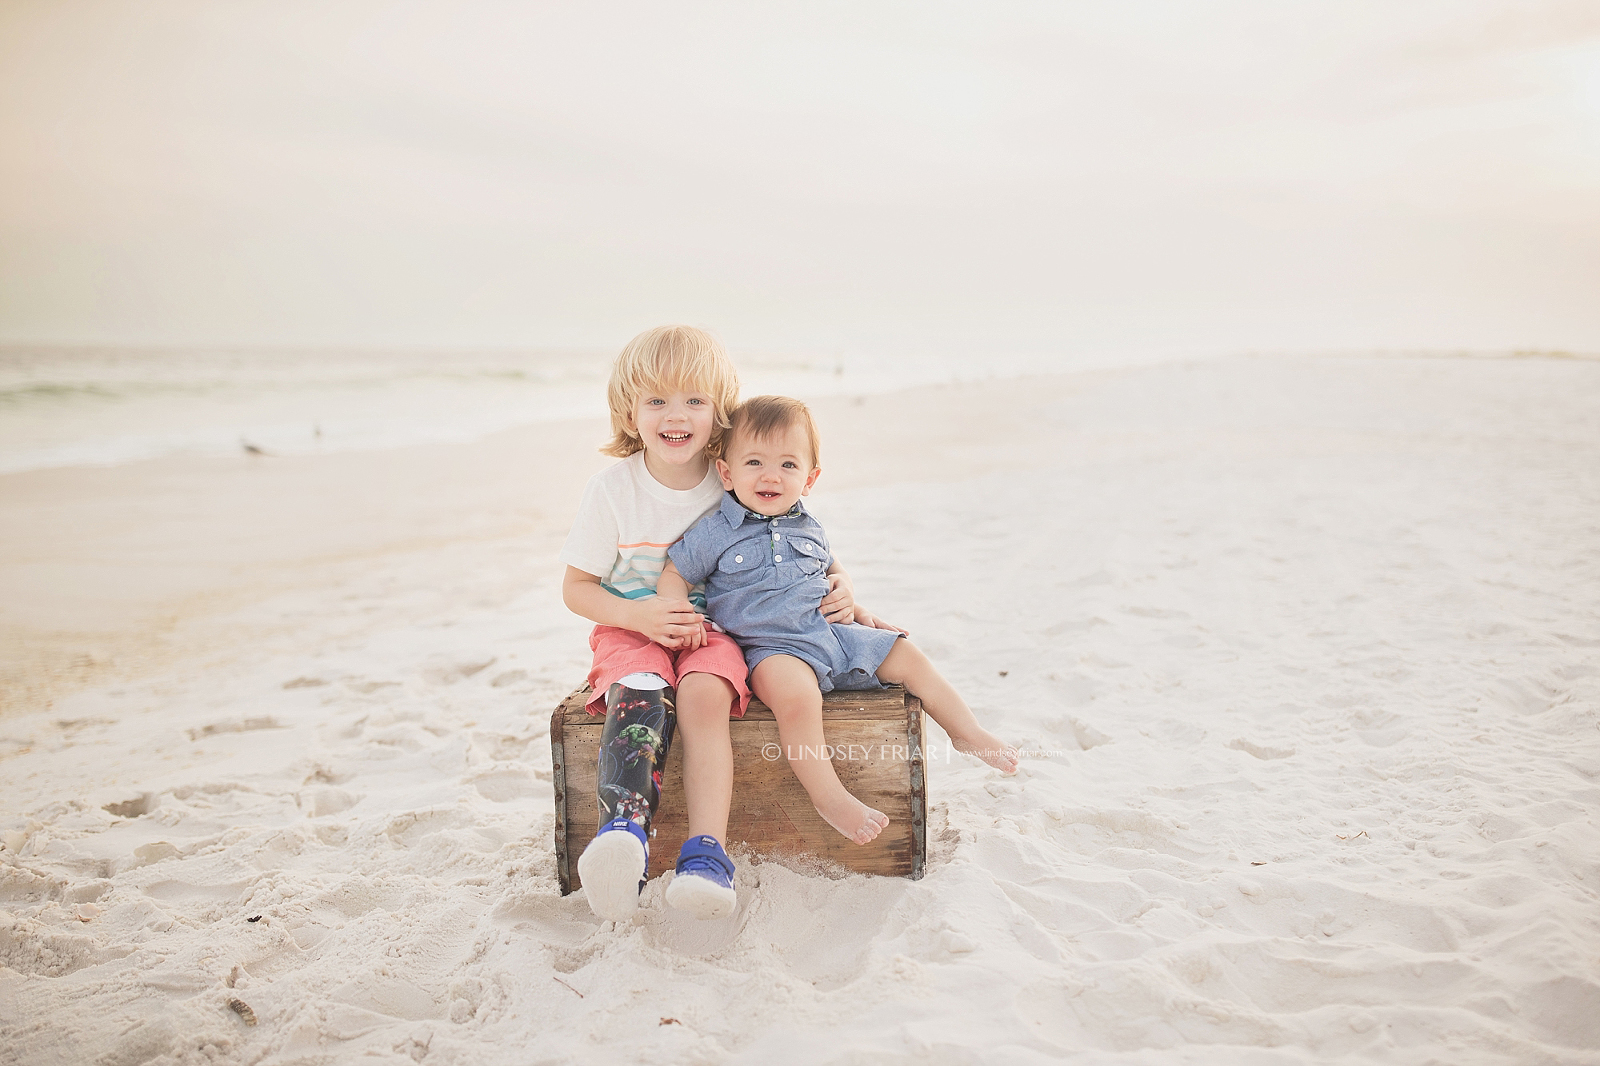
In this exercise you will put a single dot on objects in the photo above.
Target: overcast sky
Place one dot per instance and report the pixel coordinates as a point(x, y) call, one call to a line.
point(1073, 177)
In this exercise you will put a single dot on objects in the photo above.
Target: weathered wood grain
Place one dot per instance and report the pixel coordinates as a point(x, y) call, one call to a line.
point(877, 748)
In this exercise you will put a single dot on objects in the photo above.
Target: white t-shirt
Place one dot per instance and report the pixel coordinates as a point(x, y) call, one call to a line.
point(627, 521)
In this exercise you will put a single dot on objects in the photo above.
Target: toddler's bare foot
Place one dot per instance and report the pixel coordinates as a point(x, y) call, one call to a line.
point(990, 748)
point(853, 818)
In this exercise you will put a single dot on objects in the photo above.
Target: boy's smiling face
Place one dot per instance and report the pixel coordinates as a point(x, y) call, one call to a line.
point(768, 474)
point(674, 428)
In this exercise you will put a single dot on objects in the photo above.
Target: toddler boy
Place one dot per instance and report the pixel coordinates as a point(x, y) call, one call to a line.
point(763, 560)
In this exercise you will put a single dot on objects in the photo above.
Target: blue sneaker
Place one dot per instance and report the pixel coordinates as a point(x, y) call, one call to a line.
point(612, 869)
point(703, 885)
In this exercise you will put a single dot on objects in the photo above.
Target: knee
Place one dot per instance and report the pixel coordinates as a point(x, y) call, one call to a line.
point(789, 713)
point(704, 697)
point(794, 703)
point(909, 651)
point(904, 660)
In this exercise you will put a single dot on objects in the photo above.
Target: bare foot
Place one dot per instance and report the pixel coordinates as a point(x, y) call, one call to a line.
point(990, 748)
point(853, 818)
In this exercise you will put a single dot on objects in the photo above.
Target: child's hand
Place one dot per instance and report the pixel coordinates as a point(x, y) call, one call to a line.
point(839, 605)
point(671, 623)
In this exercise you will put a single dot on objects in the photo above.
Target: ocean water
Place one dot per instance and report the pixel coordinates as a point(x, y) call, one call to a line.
point(67, 407)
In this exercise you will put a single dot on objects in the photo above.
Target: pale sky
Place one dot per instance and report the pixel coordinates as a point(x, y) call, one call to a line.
point(1083, 177)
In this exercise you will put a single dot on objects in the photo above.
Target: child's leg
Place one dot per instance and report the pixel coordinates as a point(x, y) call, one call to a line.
point(629, 676)
point(703, 884)
point(789, 686)
point(906, 665)
point(633, 750)
point(703, 704)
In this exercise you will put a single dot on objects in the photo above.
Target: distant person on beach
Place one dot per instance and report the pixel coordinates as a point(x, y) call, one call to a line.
point(763, 560)
point(657, 669)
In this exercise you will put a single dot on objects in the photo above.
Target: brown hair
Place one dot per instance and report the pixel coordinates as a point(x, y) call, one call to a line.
point(763, 416)
point(664, 360)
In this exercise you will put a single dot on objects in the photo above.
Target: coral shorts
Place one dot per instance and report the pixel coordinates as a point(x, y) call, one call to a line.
point(620, 652)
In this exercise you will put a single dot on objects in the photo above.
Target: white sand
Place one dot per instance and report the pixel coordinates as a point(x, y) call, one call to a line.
point(1317, 643)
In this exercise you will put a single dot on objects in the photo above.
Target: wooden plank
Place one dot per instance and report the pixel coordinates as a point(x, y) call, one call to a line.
point(876, 744)
point(558, 774)
point(917, 766)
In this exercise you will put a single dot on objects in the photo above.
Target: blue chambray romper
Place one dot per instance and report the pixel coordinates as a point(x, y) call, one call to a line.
point(765, 579)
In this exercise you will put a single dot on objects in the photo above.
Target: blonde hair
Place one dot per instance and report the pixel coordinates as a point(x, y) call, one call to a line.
point(762, 416)
point(664, 360)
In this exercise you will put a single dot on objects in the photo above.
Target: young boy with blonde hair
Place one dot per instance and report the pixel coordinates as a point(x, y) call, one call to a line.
point(763, 560)
point(657, 669)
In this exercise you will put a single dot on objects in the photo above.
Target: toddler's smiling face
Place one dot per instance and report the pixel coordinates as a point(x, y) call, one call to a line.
point(769, 474)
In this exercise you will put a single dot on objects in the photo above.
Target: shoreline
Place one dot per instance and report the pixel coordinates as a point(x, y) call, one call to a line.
point(113, 422)
point(108, 569)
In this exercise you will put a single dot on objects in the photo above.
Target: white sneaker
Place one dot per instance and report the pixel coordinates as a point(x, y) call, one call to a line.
point(612, 869)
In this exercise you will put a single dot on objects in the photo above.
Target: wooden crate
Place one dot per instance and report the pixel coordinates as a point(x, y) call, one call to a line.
point(877, 740)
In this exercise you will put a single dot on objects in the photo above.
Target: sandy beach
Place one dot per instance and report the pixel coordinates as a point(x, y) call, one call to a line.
point(1307, 651)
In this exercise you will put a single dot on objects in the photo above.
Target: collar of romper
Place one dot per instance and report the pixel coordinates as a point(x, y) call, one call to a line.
point(738, 513)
